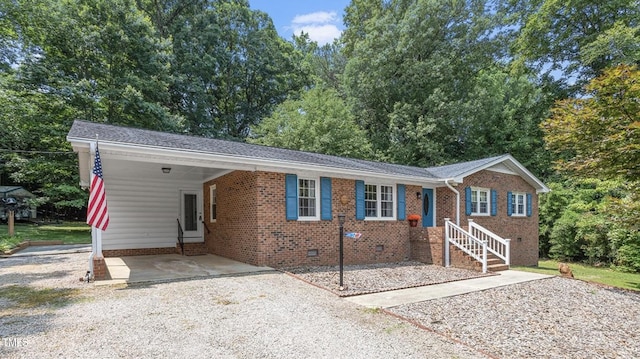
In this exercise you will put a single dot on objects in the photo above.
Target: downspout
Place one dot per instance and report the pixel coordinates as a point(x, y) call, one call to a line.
point(457, 201)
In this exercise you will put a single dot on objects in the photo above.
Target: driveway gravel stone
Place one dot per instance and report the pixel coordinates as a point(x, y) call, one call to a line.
point(268, 315)
point(273, 315)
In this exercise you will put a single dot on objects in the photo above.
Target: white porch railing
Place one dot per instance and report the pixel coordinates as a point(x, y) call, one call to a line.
point(467, 242)
point(495, 244)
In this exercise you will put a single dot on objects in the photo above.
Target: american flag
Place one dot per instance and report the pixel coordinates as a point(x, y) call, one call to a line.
point(97, 214)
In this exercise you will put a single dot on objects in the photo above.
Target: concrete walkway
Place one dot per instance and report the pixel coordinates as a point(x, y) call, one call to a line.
point(420, 294)
point(52, 249)
point(167, 267)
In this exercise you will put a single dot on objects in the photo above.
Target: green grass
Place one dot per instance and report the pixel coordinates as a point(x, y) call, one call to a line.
point(27, 297)
point(588, 273)
point(68, 233)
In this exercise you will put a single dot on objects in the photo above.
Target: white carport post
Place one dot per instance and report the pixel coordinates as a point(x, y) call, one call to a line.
point(96, 234)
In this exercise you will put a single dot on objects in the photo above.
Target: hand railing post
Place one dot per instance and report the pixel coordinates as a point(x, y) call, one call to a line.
point(507, 251)
point(484, 256)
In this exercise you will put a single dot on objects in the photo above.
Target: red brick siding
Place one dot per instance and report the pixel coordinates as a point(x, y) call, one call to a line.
point(263, 236)
point(100, 271)
point(426, 245)
point(138, 251)
point(234, 233)
point(523, 231)
point(193, 249)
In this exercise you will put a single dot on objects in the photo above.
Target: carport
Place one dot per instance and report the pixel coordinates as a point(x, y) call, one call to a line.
point(168, 267)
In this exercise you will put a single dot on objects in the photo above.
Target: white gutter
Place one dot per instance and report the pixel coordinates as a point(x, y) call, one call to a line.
point(457, 201)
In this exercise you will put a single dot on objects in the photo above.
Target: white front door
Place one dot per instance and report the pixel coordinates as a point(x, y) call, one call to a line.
point(191, 215)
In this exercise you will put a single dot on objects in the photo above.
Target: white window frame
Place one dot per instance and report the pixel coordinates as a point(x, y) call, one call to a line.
point(213, 199)
point(514, 204)
point(316, 197)
point(476, 191)
point(394, 202)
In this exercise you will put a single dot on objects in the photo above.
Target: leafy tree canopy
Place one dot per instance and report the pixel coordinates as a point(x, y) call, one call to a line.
point(578, 38)
point(318, 122)
point(600, 134)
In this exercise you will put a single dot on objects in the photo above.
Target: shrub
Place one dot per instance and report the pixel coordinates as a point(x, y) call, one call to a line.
point(565, 244)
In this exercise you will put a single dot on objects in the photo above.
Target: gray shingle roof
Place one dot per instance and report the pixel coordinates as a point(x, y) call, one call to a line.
point(87, 131)
point(83, 130)
point(462, 168)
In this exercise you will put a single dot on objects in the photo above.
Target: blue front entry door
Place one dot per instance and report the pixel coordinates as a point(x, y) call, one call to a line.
point(427, 207)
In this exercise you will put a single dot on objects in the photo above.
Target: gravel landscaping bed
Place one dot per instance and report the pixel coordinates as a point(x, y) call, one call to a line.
point(373, 278)
point(549, 318)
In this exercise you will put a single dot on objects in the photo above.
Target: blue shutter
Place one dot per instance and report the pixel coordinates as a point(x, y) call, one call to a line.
point(291, 194)
point(529, 205)
point(325, 195)
point(467, 201)
point(509, 204)
point(494, 202)
point(360, 200)
point(402, 207)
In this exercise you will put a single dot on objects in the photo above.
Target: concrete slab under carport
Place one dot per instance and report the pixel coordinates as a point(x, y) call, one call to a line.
point(167, 267)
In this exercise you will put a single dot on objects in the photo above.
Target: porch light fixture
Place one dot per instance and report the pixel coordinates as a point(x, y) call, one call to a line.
point(418, 195)
point(166, 169)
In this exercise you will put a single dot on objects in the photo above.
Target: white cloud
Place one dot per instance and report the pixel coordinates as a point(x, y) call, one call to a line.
point(322, 34)
point(322, 26)
point(320, 17)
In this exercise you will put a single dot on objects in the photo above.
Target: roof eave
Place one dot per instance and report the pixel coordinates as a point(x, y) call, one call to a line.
point(243, 162)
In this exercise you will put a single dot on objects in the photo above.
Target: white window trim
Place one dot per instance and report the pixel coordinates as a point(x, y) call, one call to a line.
point(480, 189)
point(524, 204)
point(318, 199)
point(212, 189)
point(394, 193)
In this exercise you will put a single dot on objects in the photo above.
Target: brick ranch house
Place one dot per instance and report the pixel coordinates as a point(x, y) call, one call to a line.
point(276, 207)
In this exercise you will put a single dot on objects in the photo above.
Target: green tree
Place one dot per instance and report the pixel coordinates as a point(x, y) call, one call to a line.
point(600, 134)
point(504, 111)
point(425, 81)
point(318, 122)
point(101, 57)
point(322, 64)
point(578, 38)
point(95, 60)
point(231, 69)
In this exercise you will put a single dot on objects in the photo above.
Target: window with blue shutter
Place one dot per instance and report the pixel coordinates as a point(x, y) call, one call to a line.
point(494, 202)
point(402, 208)
point(467, 201)
point(529, 205)
point(325, 202)
point(509, 204)
point(360, 200)
point(291, 195)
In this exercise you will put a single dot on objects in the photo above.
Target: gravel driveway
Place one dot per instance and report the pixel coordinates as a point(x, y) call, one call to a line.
point(273, 315)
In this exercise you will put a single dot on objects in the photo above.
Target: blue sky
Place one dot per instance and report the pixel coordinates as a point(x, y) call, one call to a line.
point(321, 19)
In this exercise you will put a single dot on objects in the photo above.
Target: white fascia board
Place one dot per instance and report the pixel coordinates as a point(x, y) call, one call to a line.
point(156, 154)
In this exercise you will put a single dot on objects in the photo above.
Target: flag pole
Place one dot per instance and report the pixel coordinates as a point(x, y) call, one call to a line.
point(92, 150)
point(98, 230)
